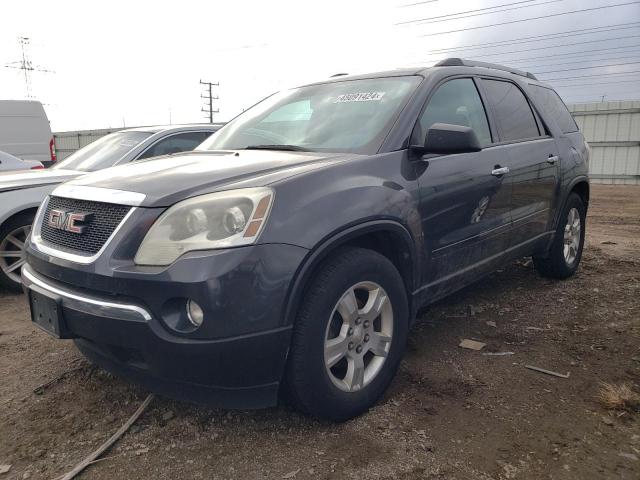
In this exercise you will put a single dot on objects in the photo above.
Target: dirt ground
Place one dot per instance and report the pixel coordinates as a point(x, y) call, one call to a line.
point(450, 413)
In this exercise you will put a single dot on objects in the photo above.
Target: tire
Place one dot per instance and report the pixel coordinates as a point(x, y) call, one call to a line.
point(565, 253)
point(13, 233)
point(326, 330)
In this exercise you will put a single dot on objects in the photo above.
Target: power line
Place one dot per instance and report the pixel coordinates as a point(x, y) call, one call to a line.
point(591, 99)
point(528, 59)
point(460, 15)
point(577, 54)
point(596, 83)
point(417, 3)
point(581, 62)
point(581, 53)
point(541, 38)
point(531, 18)
point(581, 78)
point(591, 76)
point(556, 46)
point(588, 68)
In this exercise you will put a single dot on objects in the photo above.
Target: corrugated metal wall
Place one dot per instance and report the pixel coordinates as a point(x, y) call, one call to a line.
point(613, 131)
point(69, 142)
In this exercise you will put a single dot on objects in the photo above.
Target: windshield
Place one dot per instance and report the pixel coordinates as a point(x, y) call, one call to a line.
point(348, 116)
point(102, 153)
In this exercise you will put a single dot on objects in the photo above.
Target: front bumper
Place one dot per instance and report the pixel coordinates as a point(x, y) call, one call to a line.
point(237, 362)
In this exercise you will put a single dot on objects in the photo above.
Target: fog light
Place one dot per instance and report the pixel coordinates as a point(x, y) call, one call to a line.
point(194, 313)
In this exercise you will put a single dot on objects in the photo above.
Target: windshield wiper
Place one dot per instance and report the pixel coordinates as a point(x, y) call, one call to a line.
point(292, 148)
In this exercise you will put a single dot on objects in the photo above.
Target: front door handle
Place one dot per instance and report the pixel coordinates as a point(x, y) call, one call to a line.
point(498, 171)
point(552, 159)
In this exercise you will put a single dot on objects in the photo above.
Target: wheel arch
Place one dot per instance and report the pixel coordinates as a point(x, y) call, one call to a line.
point(16, 213)
point(582, 188)
point(579, 185)
point(387, 237)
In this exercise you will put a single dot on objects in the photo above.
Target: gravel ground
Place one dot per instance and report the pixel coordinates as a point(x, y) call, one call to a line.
point(450, 413)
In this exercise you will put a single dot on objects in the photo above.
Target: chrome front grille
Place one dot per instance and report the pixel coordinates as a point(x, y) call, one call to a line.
point(105, 218)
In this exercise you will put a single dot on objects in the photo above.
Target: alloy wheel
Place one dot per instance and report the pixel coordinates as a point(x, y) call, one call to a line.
point(358, 336)
point(572, 236)
point(12, 255)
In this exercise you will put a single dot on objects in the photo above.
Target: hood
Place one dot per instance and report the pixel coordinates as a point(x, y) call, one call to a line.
point(167, 180)
point(35, 178)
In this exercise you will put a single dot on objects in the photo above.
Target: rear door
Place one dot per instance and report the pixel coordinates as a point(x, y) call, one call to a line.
point(465, 209)
point(533, 160)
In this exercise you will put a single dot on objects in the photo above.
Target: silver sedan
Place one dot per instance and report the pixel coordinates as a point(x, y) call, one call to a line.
point(21, 193)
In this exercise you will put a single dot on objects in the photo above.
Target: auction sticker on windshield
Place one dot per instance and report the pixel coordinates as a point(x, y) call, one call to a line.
point(359, 97)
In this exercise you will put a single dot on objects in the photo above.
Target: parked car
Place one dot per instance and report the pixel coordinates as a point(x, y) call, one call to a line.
point(25, 131)
point(9, 163)
point(296, 262)
point(22, 192)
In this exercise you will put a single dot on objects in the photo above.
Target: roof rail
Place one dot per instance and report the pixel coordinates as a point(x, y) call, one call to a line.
point(461, 62)
point(338, 75)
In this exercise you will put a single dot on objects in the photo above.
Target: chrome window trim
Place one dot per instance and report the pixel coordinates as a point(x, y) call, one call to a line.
point(97, 194)
point(40, 245)
point(122, 311)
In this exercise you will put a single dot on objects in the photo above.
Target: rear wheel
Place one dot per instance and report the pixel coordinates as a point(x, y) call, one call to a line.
point(13, 235)
point(566, 251)
point(349, 336)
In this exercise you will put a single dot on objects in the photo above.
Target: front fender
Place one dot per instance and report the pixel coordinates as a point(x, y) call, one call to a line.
point(310, 207)
point(325, 208)
point(16, 201)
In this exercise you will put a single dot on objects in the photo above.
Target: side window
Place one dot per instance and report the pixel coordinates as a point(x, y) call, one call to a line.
point(552, 105)
point(512, 110)
point(181, 142)
point(456, 102)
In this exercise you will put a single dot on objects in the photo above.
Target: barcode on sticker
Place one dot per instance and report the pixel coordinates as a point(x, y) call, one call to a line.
point(359, 97)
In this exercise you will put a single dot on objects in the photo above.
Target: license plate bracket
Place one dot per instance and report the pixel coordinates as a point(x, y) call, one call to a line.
point(46, 313)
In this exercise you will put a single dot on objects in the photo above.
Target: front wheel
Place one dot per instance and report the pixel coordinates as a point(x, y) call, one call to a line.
point(349, 336)
point(566, 250)
point(13, 235)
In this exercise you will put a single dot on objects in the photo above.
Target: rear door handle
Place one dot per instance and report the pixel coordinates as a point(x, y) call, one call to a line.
point(499, 171)
point(553, 159)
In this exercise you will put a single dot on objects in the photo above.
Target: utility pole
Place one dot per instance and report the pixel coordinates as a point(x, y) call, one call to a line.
point(209, 98)
point(26, 65)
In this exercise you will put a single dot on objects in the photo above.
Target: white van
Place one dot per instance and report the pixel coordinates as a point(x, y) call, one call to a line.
point(25, 131)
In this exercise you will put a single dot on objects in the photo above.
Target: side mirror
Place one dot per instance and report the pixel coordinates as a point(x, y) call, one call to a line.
point(445, 138)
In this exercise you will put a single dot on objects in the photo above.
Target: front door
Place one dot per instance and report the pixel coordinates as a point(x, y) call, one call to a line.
point(464, 204)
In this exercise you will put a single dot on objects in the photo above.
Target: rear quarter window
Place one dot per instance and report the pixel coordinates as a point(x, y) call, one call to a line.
point(553, 106)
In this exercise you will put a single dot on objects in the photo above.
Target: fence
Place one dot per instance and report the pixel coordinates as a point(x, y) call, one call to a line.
point(69, 142)
point(613, 132)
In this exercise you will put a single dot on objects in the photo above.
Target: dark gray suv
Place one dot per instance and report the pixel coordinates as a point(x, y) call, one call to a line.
point(290, 253)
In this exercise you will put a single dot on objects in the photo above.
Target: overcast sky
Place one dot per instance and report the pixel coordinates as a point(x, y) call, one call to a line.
point(139, 62)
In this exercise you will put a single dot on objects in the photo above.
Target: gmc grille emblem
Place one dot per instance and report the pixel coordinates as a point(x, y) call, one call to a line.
point(68, 221)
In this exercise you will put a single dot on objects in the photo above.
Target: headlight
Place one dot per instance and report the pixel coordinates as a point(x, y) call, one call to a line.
point(216, 220)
